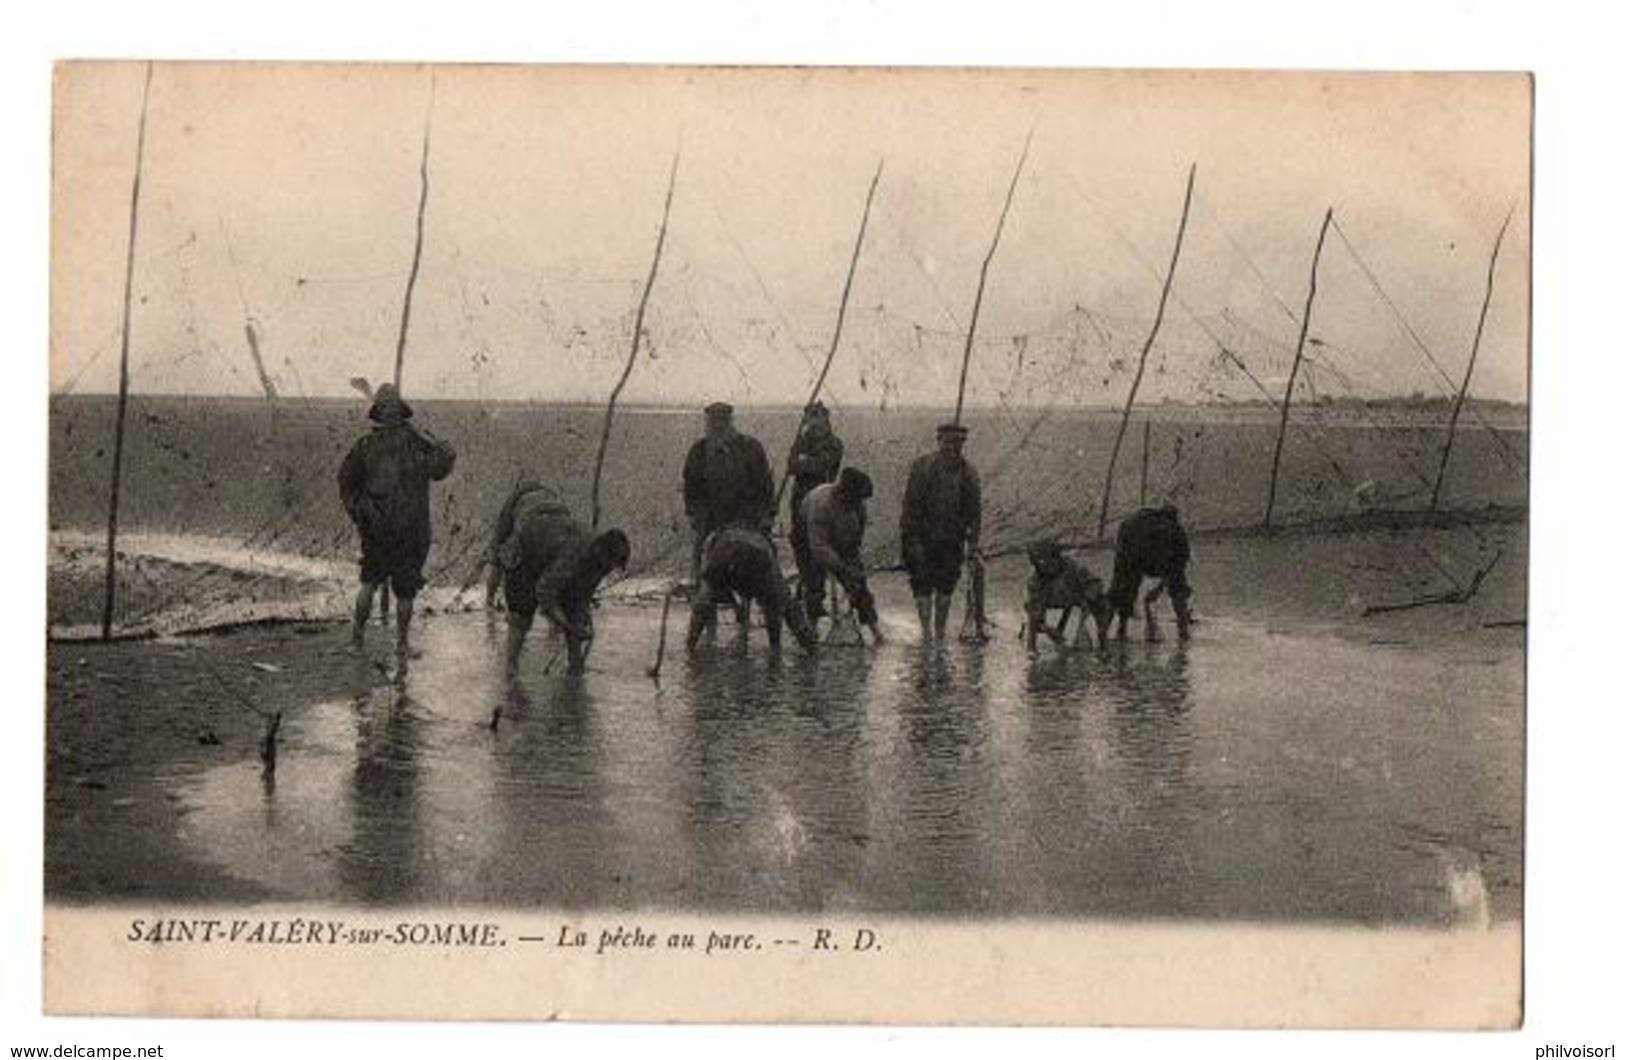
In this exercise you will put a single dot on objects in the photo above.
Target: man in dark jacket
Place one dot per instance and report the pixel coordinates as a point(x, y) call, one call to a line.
point(553, 564)
point(1151, 543)
point(836, 517)
point(384, 484)
point(815, 458)
point(739, 562)
point(727, 480)
point(941, 525)
point(526, 491)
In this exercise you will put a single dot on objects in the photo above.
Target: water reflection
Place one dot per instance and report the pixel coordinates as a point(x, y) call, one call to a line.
point(380, 861)
point(944, 780)
point(1149, 729)
point(549, 798)
point(1162, 779)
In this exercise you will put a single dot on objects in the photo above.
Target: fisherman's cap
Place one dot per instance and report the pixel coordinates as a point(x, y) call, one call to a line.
point(855, 483)
point(952, 430)
point(387, 405)
point(719, 410)
point(817, 408)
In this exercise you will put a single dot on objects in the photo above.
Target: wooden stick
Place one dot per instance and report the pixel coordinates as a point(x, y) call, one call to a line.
point(1145, 457)
point(417, 246)
point(266, 383)
point(124, 369)
point(835, 340)
point(637, 339)
point(1145, 352)
point(660, 649)
point(1472, 359)
point(1454, 596)
point(1292, 377)
point(981, 283)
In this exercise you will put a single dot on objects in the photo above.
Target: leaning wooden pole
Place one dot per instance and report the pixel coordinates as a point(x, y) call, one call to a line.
point(1145, 353)
point(637, 340)
point(840, 320)
point(1292, 376)
point(981, 283)
point(417, 246)
point(1472, 360)
point(1145, 459)
point(123, 371)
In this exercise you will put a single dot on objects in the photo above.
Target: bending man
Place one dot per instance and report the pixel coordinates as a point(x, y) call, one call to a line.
point(1152, 543)
point(739, 562)
point(835, 516)
point(553, 564)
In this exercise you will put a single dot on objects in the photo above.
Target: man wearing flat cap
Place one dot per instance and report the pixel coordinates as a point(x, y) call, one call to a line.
point(941, 525)
point(815, 458)
point(727, 481)
point(384, 484)
point(836, 517)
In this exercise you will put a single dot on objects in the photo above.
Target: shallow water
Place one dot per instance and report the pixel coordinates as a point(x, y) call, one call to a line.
point(1248, 774)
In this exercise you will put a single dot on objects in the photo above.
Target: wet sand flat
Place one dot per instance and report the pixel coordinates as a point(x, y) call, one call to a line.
point(1292, 762)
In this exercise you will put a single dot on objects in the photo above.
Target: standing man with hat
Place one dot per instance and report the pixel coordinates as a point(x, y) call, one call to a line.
point(727, 481)
point(835, 517)
point(384, 484)
point(815, 458)
point(941, 525)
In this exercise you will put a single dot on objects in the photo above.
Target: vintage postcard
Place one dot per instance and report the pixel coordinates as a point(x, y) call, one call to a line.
point(798, 545)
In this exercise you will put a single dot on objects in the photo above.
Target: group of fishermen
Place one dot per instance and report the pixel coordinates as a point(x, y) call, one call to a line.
point(542, 559)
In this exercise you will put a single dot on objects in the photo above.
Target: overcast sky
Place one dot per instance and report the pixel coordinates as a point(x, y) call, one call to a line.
point(285, 196)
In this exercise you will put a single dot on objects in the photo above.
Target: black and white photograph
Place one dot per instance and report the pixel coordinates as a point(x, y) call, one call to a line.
point(627, 529)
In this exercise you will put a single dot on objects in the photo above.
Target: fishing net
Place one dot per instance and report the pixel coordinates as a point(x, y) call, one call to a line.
point(230, 508)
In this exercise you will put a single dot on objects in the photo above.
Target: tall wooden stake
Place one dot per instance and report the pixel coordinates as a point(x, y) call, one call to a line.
point(1292, 376)
point(840, 320)
point(1145, 458)
point(1145, 352)
point(637, 339)
point(1472, 359)
point(417, 246)
point(981, 283)
point(124, 369)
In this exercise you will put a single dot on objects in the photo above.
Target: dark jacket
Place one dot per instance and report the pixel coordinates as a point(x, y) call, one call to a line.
point(942, 504)
point(728, 482)
point(1153, 542)
point(814, 460)
point(384, 480)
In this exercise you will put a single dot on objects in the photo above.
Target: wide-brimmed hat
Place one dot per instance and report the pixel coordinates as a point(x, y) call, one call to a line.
point(719, 410)
point(855, 483)
point(818, 409)
point(952, 430)
point(388, 406)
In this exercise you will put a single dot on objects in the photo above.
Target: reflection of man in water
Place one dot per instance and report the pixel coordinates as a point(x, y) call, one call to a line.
point(835, 517)
point(384, 484)
point(551, 563)
point(740, 563)
point(383, 859)
point(1151, 543)
point(941, 525)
